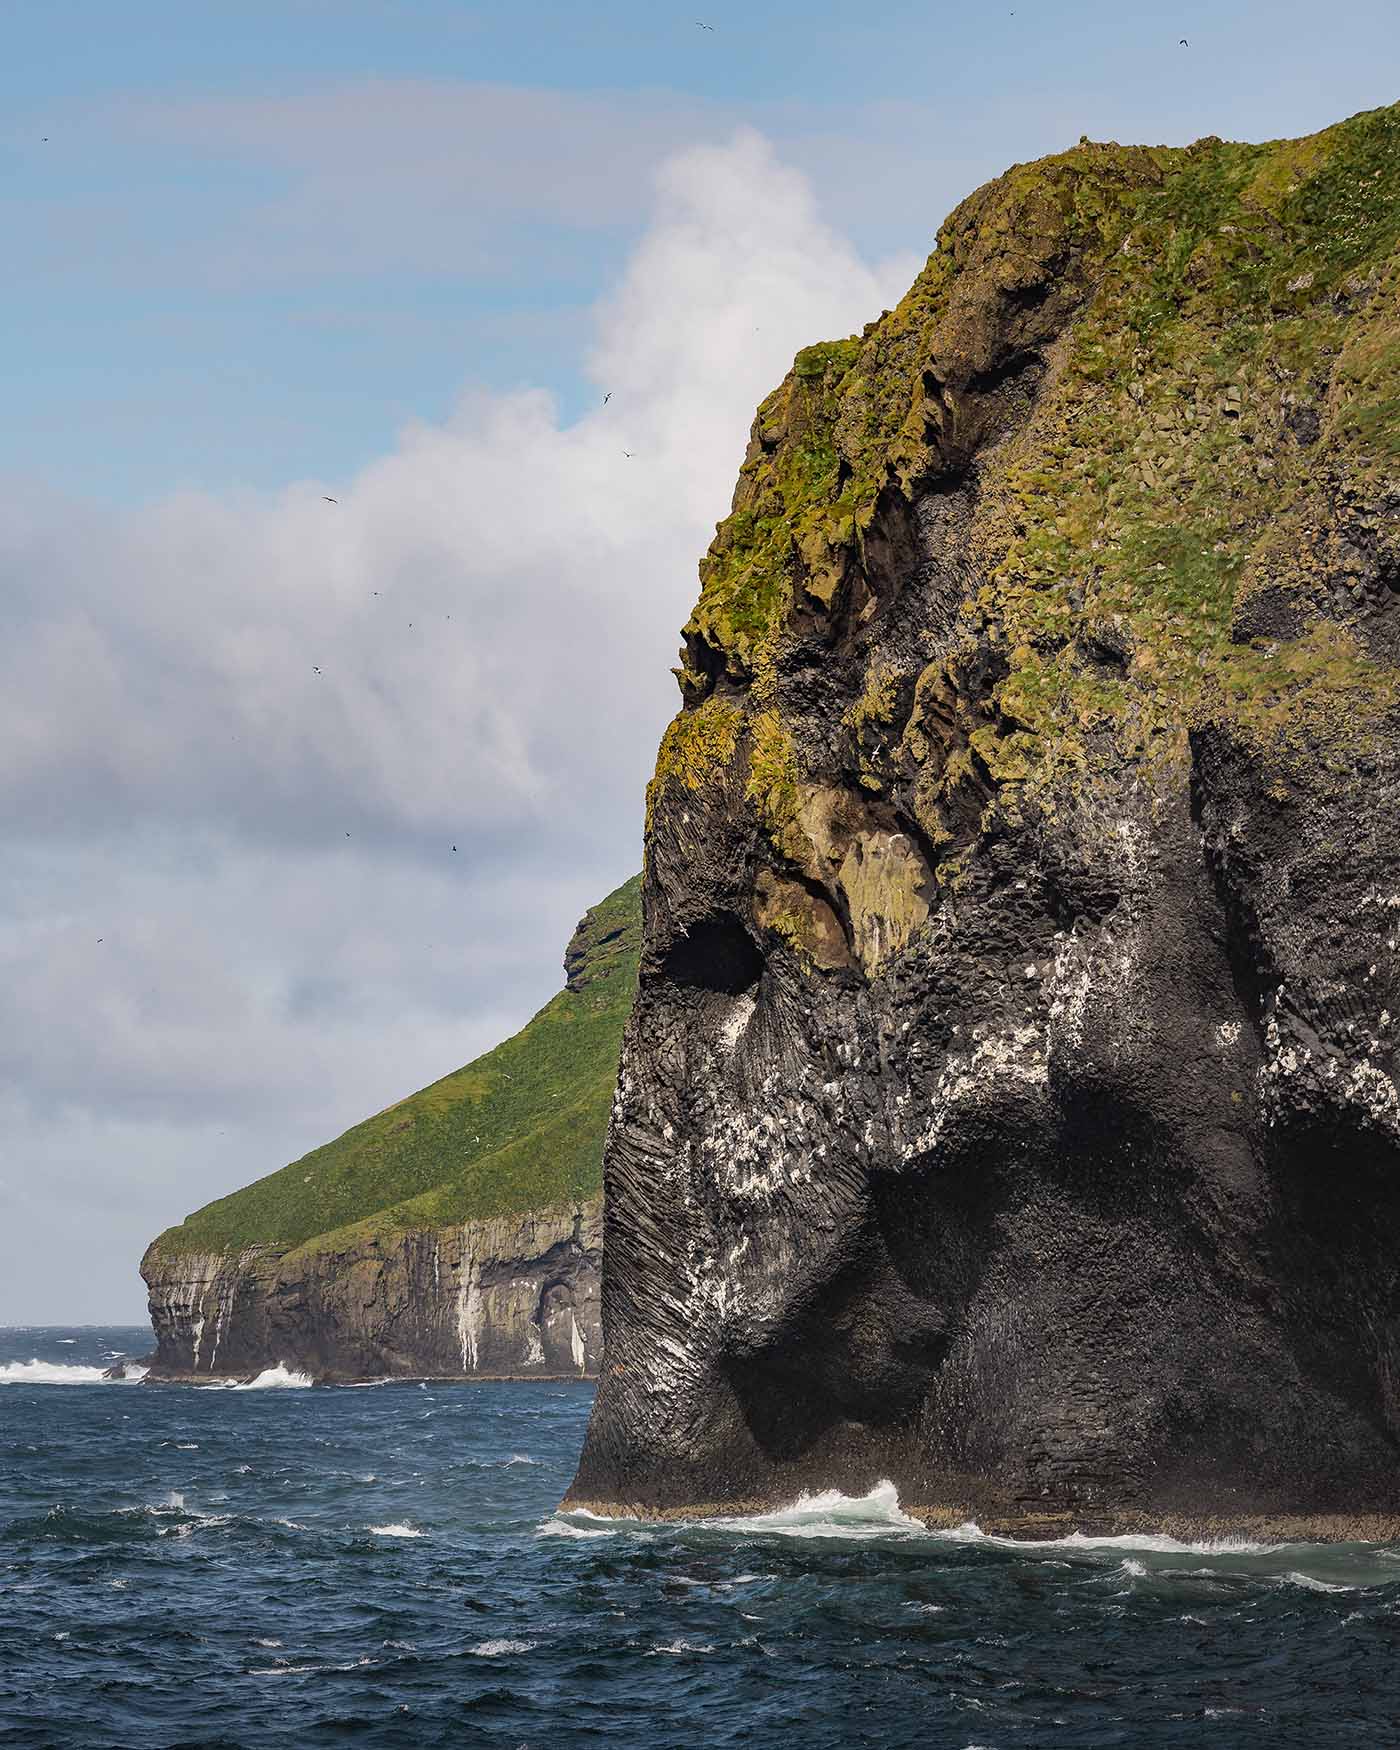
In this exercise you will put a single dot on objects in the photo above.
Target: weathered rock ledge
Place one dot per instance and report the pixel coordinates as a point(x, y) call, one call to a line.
point(1276, 1528)
point(513, 1297)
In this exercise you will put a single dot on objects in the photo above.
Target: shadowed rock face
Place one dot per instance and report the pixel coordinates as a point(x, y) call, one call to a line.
point(1008, 1106)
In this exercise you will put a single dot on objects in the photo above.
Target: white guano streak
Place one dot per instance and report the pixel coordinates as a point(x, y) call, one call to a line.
point(469, 1309)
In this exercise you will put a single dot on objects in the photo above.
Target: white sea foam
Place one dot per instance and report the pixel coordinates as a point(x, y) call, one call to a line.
point(395, 1530)
point(831, 1514)
point(305, 1670)
point(36, 1372)
point(878, 1515)
point(520, 1458)
point(1310, 1583)
point(970, 1532)
point(494, 1649)
point(270, 1378)
point(678, 1647)
point(578, 1522)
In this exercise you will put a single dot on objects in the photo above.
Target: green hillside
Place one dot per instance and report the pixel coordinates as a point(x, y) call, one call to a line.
point(520, 1128)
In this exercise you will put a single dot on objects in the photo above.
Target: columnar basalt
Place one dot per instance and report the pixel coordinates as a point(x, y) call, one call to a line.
point(1008, 1108)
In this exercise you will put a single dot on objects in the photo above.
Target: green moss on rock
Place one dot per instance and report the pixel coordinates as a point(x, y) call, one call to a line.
point(1225, 366)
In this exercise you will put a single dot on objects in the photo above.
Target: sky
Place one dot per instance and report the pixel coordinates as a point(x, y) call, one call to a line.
point(394, 253)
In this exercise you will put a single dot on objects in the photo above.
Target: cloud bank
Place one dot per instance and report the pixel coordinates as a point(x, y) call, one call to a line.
point(245, 733)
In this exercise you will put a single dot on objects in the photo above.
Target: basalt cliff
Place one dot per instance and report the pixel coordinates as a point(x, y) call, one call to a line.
point(1009, 1104)
point(457, 1234)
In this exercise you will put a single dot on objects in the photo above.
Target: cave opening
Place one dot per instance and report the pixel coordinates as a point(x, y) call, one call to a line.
point(715, 954)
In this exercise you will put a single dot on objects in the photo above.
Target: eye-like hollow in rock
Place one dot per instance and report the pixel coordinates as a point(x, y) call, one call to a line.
point(717, 953)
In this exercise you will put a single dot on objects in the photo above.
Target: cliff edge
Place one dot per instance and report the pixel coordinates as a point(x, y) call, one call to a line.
point(1009, 1106)
point(457, 1234)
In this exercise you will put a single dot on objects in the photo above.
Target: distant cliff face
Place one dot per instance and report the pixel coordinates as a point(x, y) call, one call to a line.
point(512, 1296)
point(458, 1233)
point(1009, 1104)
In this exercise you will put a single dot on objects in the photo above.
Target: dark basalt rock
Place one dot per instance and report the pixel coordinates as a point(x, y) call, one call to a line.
point(1008, 1108)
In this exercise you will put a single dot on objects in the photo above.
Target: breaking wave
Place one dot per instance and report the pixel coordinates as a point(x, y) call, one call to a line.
point(826, 1514)
point(38, 1372)
point(829, 1513)
point(1145, 1556)
point(269, 1379)
point(396, 1530)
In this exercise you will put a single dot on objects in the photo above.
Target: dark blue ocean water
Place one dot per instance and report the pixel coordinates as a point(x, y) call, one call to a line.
point(383, 1566)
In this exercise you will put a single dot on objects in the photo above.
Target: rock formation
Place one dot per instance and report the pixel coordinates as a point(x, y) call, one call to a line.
point(1009, 1104)
point(458, 1234)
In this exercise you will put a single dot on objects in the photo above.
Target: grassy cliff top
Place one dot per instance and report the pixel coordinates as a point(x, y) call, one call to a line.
point(1212, 336)
point(518, 1129)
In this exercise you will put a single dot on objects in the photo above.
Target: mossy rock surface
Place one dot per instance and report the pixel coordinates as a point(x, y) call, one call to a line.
point(1211, 338)
point(518, 1129)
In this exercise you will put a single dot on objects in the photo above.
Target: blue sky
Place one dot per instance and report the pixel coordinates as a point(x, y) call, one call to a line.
point(261, 237)
point(395, 251)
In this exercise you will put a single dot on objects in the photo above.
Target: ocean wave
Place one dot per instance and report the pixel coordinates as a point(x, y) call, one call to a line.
point(578, 1522)
point(877, 1515)
point(271, 1378)
point(829, 1513)
point(395, 1530)
point(36, 1372)
point(280, 1670)
point(826, 1514)
point(494, 1649)
point(1152, 1542)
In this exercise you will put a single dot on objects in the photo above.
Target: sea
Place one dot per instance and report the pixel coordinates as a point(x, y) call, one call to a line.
point(285, 1565)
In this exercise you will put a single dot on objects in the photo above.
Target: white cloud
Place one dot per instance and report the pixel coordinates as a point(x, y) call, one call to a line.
point(179, 779)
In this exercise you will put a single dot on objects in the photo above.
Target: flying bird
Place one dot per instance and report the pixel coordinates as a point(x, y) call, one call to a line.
point(1184, 43)
point(607, 397)
point(627, 453)
point(314, 669)
point(703, 25)
point(329, 500)
point(101, 938)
